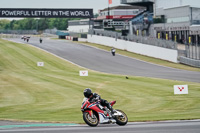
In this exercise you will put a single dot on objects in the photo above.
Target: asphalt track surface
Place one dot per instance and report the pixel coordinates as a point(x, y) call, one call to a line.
point(141, 127)
point(103, 61)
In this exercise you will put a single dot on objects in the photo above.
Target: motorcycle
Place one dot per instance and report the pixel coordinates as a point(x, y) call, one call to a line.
point(40, 40)
point(94, 113)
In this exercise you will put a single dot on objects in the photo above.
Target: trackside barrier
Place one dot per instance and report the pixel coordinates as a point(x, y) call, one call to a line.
point(144, 49)
point(139, 39)
point(68, 37)
point(189, 61)
point(22, 32)
point(32, 36)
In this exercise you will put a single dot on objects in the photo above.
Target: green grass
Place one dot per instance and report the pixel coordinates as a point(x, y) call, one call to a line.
point(145, 58)
point(55, 92)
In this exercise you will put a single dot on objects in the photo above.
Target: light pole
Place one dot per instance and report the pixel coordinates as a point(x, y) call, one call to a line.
point(37, 25)
point(108, 9)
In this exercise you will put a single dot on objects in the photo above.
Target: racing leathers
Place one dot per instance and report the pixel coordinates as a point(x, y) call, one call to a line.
point(103, 102)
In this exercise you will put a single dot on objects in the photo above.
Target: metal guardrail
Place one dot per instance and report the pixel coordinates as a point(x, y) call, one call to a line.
point(33, 32)
point(10, 36)
point(32, 36)
point(139, 39)
point(189, 61)
point(193, 51)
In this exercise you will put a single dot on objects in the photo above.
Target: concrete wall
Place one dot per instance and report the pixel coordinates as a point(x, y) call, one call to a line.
point(143, 49)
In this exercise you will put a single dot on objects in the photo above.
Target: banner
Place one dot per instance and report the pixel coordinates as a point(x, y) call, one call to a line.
point(46, 13)
point(110, 1)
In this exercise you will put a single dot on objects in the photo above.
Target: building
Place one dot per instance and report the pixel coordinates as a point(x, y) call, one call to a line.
point(120, 12)
point(177, 20)
point(108, 18)
point(174, 21)
point(116, 17)
point(148, 4)
point(182, 22)
point(79, 26)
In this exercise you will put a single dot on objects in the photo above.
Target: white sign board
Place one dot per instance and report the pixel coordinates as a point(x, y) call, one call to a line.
point(180, 89)
point(83, 73)
point(40, 63)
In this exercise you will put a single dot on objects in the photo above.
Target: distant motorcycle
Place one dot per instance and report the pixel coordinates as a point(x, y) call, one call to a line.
point(94, 113)
point(40, 40)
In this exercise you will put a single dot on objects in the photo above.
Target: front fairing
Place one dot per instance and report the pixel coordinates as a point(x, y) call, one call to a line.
point(86, 105)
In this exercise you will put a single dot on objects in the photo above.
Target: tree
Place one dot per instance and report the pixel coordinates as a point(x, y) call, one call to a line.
point(36, 24)
point(4, 23)
point(96, 15)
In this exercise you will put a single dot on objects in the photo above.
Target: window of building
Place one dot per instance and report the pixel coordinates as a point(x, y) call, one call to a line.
point(179, 19)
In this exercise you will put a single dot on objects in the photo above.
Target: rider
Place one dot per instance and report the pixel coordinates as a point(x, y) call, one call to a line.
point(94, 96)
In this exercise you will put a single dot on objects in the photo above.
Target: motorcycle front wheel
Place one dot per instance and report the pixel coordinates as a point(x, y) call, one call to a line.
point(121, 120)
point(93, 122)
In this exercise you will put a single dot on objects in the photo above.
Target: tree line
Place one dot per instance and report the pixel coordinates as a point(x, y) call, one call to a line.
point(35, 24)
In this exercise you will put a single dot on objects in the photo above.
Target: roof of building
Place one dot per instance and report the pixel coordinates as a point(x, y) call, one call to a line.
point(180, 7)
point(123, 7)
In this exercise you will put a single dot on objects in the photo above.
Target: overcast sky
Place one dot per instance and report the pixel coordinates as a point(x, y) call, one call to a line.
point(94, 4)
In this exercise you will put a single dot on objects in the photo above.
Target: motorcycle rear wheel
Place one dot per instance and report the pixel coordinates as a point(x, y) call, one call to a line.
point(93, 122)
point(121, 120)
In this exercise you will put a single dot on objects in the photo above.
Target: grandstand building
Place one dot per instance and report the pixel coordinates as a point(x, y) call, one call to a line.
point(113, 17)
point(177, 20)
point(182, 20)
point(116, 17)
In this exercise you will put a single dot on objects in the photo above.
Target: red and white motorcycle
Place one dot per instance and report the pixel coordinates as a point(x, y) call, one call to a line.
point(94, 113)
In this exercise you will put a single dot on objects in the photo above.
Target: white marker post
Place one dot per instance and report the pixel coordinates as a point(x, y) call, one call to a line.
point(83, 73)
point(40, 64)
point(180, 89)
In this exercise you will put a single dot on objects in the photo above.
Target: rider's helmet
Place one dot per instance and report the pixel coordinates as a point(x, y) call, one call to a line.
point(87, 92)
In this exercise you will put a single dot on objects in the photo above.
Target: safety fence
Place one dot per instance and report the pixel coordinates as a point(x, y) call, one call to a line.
point(193, 51)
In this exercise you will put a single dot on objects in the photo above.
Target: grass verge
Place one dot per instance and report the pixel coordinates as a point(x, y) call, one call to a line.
point(55, 92)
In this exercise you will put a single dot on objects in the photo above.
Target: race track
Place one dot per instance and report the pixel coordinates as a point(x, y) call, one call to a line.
point(103, 61)
point(133, 127)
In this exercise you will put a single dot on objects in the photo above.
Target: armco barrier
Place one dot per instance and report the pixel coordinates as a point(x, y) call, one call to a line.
point(189, 61)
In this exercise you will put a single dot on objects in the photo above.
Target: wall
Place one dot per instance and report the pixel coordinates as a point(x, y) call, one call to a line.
point(148, 50)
